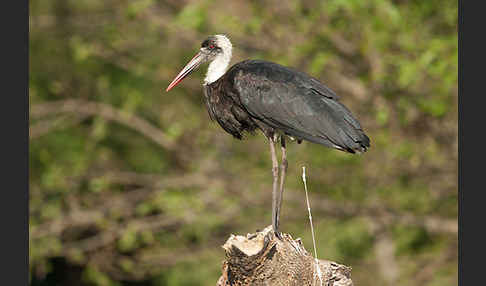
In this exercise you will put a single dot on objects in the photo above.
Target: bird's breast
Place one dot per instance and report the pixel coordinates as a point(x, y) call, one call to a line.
point(228, 112)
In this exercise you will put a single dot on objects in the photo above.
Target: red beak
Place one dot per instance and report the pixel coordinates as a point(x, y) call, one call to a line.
point(197, 60)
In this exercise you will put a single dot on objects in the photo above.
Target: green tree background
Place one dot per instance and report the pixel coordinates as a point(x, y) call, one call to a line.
point(130, 185)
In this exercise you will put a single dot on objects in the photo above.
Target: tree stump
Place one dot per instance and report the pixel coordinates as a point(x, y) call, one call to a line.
point(263, 259)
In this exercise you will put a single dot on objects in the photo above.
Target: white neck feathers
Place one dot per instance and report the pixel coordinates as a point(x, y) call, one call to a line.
point(218, 66)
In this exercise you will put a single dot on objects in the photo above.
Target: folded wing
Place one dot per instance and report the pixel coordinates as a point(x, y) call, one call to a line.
point(298, 105)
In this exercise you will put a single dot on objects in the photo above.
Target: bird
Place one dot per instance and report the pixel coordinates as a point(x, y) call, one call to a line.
point(280, 101)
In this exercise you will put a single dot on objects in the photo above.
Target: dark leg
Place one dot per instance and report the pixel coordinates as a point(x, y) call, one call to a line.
point(274, 190)
point(283, 172)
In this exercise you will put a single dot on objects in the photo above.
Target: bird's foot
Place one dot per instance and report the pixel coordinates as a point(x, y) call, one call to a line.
point(270, 236)
point(266, 239)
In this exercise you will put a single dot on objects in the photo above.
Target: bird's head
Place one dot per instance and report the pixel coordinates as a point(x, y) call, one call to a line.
point(216, 50)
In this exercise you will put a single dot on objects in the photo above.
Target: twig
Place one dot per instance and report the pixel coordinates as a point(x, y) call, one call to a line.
point(309, 210)
point(318, 269)
point(47, 125)
point(107, 112)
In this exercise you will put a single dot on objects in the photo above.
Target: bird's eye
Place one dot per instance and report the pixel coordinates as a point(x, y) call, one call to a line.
point(211, 47)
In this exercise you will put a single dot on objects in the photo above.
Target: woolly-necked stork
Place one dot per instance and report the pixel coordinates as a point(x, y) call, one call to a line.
point(280, 101)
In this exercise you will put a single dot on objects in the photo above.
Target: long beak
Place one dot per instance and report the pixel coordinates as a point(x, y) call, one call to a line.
point(196, 61)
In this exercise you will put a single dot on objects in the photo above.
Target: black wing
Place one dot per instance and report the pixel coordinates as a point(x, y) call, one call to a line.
point(297, 104)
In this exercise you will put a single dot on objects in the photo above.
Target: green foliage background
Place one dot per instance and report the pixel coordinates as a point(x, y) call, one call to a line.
point(130, 185)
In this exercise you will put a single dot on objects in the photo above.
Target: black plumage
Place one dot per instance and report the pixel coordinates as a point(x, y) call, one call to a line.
point(276, 99)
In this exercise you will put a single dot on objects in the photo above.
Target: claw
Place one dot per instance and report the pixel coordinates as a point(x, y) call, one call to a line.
point(266, 240)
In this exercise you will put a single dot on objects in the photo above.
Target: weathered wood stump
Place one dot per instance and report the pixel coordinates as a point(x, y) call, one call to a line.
point(263, 259)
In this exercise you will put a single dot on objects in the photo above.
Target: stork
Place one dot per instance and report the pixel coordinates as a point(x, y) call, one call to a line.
point(279, 101)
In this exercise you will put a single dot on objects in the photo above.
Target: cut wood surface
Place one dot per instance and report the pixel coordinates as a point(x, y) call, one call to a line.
point(262, 259)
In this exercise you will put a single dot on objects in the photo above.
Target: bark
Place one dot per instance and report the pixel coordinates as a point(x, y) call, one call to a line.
point(263, 259)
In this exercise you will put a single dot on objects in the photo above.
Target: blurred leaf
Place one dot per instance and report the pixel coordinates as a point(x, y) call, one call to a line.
point(193, 16)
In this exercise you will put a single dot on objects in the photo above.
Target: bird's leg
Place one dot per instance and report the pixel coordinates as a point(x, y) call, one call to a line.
point(283, 171)
point(274, 190)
